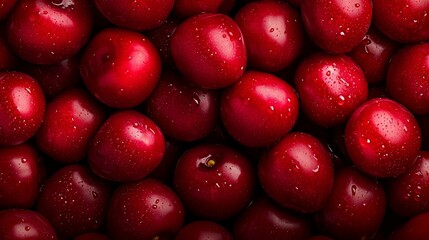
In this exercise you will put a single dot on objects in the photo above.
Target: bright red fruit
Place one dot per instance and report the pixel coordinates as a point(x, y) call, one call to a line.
point(382, 138)
point(264, 219)
point(297, 172)
point(146, 209)
point(259, 109)
point(415, 228)
point(214, 181)
point(331, 88)
point(187, 8)
point(408, 77)
point(120, 67)
point(373, 55)
point(209, 50)
point(273, 33)
point(402, 20)
point(71, 121)
point(136, 15)
point(22, 107)
point(356, 207)
point(20, 224)
point(46, 32)
point(408, 193)
point(75, 201)
point(127, 147)
point(203, 230)
point(336, 26)
point(182, 110)
point(19, 176)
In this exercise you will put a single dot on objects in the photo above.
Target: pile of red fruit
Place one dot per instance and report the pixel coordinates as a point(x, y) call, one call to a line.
point(214, 119)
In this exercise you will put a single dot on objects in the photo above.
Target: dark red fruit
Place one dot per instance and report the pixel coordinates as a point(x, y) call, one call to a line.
point(297, 173)
point(136, 15)
point(415, 228)
point(209, 50)
point(71, 121)
point(19, 176)
point(336, 26)
point(382, 138)
point(408, 194)
point(5, 7)
point(75, 201)
point(259, 109)
point(264, 219)
point(330, 87)
point(402, 20)
point(92, 236)
point(273, 33)
point(356, 207)
point(46, 32)
point(187, 8)
point(22, 107)
point(182, 110)
point(214, 181)
point(203, 230)
point(408, 77)
point(146, 209)
point(20, 224)
point(373, 55)
point(120, 67)
point(161, 38)
point(127, 147)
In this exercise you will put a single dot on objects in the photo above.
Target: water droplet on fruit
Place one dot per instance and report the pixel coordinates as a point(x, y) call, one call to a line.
point(23, 160)
point(405, 129)
point(328, 73)
point(315, 170)
point(354, 188)
point(94, 195)
point(271, 29)
point(357, 5)
point(341, 100)
point(224, 35)
point(342, 33)
point(157, 201)
point(27, 228)
point(154, 206)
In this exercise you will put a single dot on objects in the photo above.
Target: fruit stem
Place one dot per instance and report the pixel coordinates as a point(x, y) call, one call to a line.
point(210, 163)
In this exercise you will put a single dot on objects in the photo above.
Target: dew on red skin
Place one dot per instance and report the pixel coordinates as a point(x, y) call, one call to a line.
point(209, 50)
point(382, 138)
point(408, 78)
point(44, 32)
point(273, 34)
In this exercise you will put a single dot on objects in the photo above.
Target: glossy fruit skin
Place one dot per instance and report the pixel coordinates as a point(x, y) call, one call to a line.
point(356, 207)
point(407, 77)
point(408, 194)
point(382, 138)
point(264, 219)
point(214, 181)
point(297, 173)
point(56, 78)
point(19, 170)
point(331, 88)
point(137, 16)
point(74, 200)
point(22, 108)
point(71, 121)
point(209, 50)
point(202, 230)
point(22, 224)
point(144, 210)
point(259, 109)
point(414, 228)
point(273, 33)
point(120, 67)
point(47, 32)
point(336, 26)
point(373, 55)
point(127, 147)
point(187, 8)
point(404, 21)
point(176, 102)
